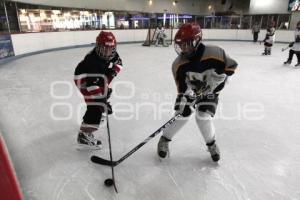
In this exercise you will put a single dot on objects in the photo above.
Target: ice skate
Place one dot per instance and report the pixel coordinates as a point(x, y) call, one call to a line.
point(163, 148)
point(214, 151)
point(288, 62)
point(265, 53)
point(165, 44)
point(86, 141)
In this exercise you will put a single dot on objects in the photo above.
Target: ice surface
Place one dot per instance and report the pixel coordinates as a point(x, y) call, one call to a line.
point(257, 124)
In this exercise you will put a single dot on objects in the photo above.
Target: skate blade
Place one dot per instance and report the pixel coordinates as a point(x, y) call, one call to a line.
point(84, 147)
point(165, 158)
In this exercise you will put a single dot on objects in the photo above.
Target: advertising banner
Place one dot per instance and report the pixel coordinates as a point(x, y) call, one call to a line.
point(6, 47)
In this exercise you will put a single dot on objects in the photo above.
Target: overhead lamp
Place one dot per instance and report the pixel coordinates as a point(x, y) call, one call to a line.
point(174, 3)
point(150, 2)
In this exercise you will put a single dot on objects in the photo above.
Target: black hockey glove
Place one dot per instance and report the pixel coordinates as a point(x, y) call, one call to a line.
point(110, 73)
point(107, 103)
point(182, 105)
point(291, 44)
point(109, 91)
point(109, 108)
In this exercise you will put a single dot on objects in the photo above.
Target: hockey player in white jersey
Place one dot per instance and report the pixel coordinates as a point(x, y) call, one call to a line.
point(295, 47)
point(269, 39)
point(202, 70)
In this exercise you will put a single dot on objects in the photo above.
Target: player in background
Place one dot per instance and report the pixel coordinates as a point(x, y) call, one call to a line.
point(203, 71)
point(255, 31)
point(295, 5)
point(295, 47)
point(160, 36)
point(92, 77)
point(269, 39)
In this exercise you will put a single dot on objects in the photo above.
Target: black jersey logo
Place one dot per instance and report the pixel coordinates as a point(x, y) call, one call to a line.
point(205, 82)
point(199, 86)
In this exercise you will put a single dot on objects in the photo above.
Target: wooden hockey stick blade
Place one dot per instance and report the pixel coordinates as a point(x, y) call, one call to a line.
point(101, 161)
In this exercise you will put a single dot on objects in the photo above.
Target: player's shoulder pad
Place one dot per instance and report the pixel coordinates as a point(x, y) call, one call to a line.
point(213, 52)
point(179, 61)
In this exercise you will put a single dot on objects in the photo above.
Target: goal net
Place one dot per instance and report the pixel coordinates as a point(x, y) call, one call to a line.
point(152, 36)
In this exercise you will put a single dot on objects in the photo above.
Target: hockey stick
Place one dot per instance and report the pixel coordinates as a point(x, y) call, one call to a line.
point(110, 152)
point(102, 161)
point(283, 49)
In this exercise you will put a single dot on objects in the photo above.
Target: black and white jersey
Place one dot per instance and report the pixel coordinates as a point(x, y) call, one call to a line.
point(205, 72)
point(270, 36)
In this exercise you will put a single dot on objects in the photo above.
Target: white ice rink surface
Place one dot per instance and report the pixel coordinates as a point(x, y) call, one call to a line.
point(257, 126)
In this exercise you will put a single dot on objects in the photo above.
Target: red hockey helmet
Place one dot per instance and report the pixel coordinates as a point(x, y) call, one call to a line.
point(106, 44)
point(188, 38)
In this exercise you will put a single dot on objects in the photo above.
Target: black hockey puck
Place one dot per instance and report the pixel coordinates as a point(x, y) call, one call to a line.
point(108, 182)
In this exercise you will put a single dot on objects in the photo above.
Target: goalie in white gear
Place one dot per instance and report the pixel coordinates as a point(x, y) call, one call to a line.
point(203, 70)
point(160, 36)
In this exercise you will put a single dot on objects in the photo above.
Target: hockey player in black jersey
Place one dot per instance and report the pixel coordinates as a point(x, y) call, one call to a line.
point(92, 77)
point(203, 71)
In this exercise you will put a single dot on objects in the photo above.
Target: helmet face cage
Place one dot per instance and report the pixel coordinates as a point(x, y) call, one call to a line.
point(105, 52)
point(105, 45)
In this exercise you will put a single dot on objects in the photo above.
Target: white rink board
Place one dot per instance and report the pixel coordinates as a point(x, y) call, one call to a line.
point(32, 42)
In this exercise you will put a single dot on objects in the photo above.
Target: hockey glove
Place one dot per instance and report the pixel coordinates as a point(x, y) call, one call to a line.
point(109, 91)
point(182, 105)
point(109, 108)
point(291, 44)
point(107, 103)
point(110, 73)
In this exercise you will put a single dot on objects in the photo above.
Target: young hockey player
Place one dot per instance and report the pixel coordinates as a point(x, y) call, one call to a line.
point(255, 31)
point(269, 39)
point(160, 36)
point(295, 47)
point(92, 77)
point(202, 70)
